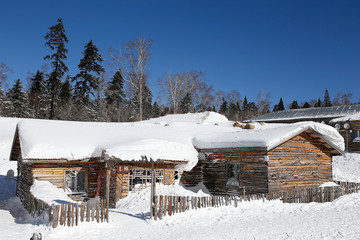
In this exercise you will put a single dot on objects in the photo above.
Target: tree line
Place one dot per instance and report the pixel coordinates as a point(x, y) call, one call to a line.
point(91, 95)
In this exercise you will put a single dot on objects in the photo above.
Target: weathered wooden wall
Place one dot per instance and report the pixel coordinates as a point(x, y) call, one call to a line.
point(353, 146)
point(253, 172)
point(55, 173)
point(24, 182)
point(301, 162)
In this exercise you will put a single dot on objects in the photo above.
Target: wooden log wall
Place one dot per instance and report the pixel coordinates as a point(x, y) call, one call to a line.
point(301, 162)
point(55, 173)
point(193, 177)
point(212, 172)
point(24, 182)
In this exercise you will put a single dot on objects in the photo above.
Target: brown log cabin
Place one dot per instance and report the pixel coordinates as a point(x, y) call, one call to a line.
point(86, 178)
point(300, 161)
point(327, 115)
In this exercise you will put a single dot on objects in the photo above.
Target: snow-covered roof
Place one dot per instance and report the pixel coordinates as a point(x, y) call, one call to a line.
point(348, 118)
point(172, 137)
point(308, 113)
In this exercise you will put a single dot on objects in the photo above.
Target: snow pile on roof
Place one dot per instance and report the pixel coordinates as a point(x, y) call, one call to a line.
point(8, 126)
point(172, 137)
point(348, 118)
point(267, 136)
point(49, 193)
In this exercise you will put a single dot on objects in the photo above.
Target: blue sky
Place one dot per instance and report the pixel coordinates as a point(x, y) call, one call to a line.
point(292, 49)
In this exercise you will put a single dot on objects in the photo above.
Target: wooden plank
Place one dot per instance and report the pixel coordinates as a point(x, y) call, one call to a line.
point(69, 214)
point(161, 206)
point(165, 204)
point(55, 219)
point(76, 214)
point(72, 214)
point(155, 207)
point(88, 211)
point(170, 205)
point(62, 212)
point(102, 210)
point(97, 210)
point(82, 212)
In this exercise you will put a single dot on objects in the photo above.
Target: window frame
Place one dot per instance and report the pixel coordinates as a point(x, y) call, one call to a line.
point(78, 170)
point(234, 179)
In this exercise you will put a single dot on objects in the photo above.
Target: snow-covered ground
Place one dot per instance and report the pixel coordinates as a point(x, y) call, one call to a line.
point(130, 220)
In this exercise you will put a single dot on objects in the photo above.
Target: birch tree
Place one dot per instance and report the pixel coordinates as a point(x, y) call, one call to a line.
point(133, 62)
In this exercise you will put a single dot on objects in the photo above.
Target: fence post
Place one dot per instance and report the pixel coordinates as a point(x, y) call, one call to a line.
point(161, 206)
point(155, 207)
point(170, 205)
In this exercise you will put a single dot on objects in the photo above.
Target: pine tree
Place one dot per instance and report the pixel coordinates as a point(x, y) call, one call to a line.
point(186, 104)
point(66, 104)
point(86, 81)
point(18, 100)
point(56, 40)
point(318, 103)
point(306, 105)
point(223, 108)
point(232, 111)
point(327, 101)
point(156, 110)
point(37, 95)
point(245, 105)
point(66, 92)
point(115, 91)
point(294, 105)
point(279, 106)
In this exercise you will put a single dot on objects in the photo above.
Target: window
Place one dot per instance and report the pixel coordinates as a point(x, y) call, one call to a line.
point(233, 174)
point(141, 177)
point(355, 135)
point(75, 180)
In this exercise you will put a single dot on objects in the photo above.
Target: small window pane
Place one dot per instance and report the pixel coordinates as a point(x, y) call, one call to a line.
point(233, 174)
point(75, 180)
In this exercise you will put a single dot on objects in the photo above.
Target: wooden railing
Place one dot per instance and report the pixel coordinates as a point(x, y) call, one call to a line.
point(170, 205)
point(70, 214)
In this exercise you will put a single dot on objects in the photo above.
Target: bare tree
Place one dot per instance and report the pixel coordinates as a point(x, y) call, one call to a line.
point(133, 63)
point(342, 99)
point(218, 99)
point(173, 87)
point(4, 70)
point(202, 93)
point(234, 97)
point(263, 102)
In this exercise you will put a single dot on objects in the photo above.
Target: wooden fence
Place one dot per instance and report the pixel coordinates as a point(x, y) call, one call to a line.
point(170, 205)
point(70, 214)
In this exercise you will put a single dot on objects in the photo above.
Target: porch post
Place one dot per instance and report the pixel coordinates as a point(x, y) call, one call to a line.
point(108, 172)
point(153, 189)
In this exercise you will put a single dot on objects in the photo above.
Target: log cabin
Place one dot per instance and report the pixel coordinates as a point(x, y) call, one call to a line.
point(349, 128)
point(204, 147)
point(282, 158)
point(74, 156)
point(327, 115)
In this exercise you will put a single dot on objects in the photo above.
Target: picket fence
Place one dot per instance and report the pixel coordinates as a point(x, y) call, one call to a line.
point(70, 214)
point(169, 205)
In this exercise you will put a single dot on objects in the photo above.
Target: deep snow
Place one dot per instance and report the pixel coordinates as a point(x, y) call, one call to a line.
point(130, 220)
